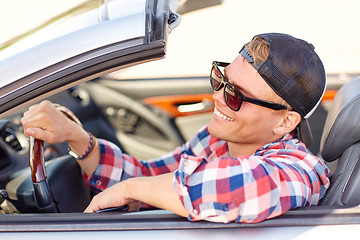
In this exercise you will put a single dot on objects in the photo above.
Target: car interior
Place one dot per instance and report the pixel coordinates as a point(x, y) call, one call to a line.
point(339, 148)
point(117, 118)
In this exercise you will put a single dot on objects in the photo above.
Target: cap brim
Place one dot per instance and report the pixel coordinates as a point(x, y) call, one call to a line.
point(304, 131)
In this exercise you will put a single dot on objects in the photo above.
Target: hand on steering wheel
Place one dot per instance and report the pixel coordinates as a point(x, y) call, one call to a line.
point(51, 123)
point(45, 120)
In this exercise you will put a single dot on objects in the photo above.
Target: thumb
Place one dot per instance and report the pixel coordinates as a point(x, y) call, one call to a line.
point(37, 133)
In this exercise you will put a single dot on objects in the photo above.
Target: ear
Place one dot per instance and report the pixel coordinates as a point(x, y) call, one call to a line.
point(288, 122)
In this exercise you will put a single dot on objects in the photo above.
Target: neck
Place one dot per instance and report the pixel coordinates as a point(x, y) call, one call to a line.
point(236, 149)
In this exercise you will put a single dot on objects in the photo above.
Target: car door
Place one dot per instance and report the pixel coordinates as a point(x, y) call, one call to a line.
point(89, 44)
point(89, 41)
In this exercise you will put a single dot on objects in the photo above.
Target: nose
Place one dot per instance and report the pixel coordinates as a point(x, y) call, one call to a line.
point(218, 96)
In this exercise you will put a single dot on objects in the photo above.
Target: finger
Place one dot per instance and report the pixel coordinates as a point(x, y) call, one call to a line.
point(34, 118)
point(93, 206)
point(69, 114)
point(90, 209)
point(32, 108)
point(111, 197)
point(40, 134)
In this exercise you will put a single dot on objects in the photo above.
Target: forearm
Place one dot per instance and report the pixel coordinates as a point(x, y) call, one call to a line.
point(157, 191)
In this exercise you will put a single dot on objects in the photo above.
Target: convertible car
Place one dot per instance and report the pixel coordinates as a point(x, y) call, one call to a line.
point(82, 60)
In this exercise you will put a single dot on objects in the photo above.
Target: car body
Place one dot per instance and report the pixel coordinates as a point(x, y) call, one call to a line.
point(85, 61)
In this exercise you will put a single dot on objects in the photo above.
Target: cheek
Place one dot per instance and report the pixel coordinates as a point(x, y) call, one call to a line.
point(250, 114)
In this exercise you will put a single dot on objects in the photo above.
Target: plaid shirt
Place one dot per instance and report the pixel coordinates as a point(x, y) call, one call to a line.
point(216, 187)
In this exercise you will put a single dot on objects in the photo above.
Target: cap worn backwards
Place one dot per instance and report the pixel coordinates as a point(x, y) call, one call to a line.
point(295, 72)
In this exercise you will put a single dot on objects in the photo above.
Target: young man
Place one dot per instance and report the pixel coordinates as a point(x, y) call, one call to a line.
point(247, 165)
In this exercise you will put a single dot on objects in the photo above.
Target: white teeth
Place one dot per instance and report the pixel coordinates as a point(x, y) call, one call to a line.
point(220, 115)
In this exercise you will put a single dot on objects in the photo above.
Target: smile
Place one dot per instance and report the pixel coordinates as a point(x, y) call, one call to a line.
point(222, 116)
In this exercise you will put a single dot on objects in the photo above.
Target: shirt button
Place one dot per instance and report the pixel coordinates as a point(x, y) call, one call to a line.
point(186, 163)
point(196, 212)
point(98, 182)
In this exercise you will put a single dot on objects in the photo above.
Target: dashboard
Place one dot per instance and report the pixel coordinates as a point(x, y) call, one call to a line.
point(14, 146)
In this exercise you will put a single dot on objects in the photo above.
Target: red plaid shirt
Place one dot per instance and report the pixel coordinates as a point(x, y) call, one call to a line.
point(216, 187)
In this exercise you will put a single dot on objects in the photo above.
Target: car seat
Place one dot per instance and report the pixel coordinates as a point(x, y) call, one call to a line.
point(340, 146)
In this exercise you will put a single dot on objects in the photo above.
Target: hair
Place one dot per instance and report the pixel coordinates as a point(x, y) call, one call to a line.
point(259, 49)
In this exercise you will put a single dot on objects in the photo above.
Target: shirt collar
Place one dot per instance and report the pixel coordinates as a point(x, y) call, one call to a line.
point(289, 137)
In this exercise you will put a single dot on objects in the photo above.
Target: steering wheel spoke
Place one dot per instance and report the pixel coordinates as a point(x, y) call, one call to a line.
point(42, 192)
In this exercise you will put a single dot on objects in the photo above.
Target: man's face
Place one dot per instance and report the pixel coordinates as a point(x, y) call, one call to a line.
point(252, 125)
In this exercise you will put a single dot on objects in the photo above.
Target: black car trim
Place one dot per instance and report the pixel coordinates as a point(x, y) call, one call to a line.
point(157, 14)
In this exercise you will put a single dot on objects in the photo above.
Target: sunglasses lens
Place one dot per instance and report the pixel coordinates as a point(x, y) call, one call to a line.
point(215, 78)
point(232, 97)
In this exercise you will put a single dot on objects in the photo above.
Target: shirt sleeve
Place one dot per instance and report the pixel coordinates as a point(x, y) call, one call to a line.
point(249, 188)
point(115, 166)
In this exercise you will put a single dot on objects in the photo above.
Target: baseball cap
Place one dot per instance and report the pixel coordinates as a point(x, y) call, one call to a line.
point(295, 72)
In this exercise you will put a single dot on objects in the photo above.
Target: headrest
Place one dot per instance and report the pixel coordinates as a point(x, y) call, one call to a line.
point(342, 126)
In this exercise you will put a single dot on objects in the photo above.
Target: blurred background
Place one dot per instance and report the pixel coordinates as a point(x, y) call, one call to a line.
point(19, 16)
point(218, 32)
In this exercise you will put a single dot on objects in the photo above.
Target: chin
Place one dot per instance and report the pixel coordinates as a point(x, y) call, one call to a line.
point(216, 130)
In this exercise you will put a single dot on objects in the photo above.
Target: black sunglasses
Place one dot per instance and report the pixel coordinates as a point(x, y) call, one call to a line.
point(232, 96)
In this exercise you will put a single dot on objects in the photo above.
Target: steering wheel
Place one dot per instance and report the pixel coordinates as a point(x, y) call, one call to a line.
point(54, 186)
point(42, 192)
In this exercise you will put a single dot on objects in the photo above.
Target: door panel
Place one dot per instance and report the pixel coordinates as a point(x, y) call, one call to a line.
point(153, 116)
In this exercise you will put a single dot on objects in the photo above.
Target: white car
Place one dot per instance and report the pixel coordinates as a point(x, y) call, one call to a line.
point(86, 62)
